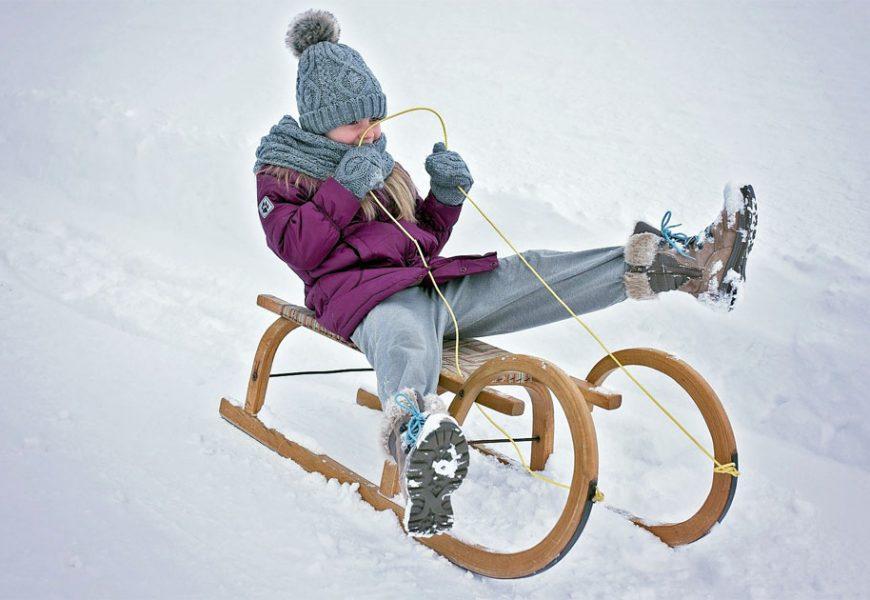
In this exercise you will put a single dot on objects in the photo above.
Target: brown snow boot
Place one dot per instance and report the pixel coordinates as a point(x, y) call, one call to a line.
point(711, 265)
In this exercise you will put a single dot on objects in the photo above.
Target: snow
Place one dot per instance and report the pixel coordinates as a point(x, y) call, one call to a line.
point(733, 200)
point(432, 422)
point(131, 255)
point(447, 468)
point(600, 389)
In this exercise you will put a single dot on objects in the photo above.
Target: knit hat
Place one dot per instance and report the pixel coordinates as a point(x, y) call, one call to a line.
point(334, 86)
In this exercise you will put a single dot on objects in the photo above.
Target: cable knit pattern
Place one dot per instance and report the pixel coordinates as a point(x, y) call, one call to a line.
point(447, 170)
point(361, 170)
point(288, 145)
point(334, 87)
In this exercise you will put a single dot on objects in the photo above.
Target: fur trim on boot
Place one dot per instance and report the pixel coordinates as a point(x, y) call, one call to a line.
point(640, 251)
point(432, 404)
point(393, 417)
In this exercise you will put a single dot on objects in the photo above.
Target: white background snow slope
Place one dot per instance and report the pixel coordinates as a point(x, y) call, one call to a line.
point(131, 255)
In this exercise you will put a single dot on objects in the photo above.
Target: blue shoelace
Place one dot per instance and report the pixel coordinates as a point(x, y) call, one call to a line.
point(415, 425)
point(674, 237)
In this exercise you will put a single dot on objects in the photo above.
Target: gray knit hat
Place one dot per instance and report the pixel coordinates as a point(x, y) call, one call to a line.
point(334, 86)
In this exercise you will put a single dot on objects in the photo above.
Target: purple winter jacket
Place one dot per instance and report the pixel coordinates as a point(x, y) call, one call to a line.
point(348, 264)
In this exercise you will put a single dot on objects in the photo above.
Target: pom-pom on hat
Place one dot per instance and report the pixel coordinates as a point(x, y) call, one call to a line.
point(334, 86)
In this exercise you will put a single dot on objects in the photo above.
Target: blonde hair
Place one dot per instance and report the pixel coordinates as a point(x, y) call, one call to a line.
point(398, 187)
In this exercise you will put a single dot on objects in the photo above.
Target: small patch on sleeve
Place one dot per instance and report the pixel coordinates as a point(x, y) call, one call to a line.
point(265, 207)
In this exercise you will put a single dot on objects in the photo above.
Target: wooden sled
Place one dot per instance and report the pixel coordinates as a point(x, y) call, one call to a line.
point(489, 366)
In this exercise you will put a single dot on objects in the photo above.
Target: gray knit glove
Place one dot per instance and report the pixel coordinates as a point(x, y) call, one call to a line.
point(361, 170)
point(447, 170)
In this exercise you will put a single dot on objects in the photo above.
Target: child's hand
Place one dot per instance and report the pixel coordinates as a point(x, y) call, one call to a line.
point(361, 170)
point(447, 170)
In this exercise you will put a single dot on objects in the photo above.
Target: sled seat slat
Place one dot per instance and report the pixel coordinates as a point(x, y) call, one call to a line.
point(301, 316)
point(472, 354)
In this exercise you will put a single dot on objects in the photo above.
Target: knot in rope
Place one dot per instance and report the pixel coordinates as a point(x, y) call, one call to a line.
point(673, 237)
point(728, 469)
point(415, 425)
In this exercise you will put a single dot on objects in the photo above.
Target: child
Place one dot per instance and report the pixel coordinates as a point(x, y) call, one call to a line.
point(366, 282)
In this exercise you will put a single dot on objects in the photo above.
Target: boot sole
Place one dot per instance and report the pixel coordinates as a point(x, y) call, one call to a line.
point(436, 468)
point(747, 221)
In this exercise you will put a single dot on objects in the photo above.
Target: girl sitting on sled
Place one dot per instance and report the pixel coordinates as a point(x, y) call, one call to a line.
point(366, 282)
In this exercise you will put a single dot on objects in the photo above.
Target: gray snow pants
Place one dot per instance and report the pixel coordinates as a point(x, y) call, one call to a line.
point(403, 335)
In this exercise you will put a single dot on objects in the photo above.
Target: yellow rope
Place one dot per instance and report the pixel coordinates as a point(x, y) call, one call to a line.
point(727, 468)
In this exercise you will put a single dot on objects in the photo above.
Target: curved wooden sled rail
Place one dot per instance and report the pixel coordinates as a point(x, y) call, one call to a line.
point(723, 486)
point(544, 378)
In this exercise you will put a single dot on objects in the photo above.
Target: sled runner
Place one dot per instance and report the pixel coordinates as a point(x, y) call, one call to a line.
point(489, 367)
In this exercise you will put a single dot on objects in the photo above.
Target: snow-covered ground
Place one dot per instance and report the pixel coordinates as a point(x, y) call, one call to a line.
point(131, 255)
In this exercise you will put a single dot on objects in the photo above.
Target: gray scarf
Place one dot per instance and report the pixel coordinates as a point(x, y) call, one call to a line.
point(288, 145)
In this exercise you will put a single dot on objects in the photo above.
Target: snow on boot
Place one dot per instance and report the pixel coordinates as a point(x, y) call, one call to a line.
point(711, 265)
point(431, 453)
